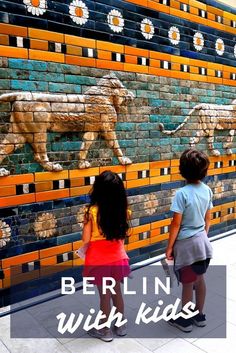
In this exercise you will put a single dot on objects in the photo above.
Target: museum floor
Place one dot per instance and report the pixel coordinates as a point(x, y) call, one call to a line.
point(224, 254)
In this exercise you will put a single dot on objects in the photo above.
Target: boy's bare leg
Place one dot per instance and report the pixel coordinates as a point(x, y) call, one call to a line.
point(200, 289)
point(187, 293)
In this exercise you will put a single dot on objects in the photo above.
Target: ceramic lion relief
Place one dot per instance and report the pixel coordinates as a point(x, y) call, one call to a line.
point(93, 113)
point(210, 117)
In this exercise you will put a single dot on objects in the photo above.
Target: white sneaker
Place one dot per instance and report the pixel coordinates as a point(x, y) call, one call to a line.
point(104, 334)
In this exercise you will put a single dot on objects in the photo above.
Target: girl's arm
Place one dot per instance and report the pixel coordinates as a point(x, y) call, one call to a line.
point(207, 220)
point(174, 230)
point(87, 231)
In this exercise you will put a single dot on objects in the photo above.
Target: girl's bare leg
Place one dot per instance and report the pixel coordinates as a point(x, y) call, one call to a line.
point(105, 303)
point(118, 302)
point(117, 298)
point(200, 289)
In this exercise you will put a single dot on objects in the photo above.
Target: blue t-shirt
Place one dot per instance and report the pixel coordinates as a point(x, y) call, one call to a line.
point(192, 201)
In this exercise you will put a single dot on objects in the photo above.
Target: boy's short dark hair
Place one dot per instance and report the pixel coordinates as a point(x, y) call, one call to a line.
point(193, 165)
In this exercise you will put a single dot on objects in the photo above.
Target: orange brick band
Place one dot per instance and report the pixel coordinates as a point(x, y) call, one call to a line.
point(39, 51)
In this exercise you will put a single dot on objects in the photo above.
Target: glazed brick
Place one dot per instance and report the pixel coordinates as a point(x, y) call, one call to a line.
point(3, 73)
point(80, 80)
point(64, 88)
point(29, 85)
point(125, 126)
point(28, 65)
point(50, 77)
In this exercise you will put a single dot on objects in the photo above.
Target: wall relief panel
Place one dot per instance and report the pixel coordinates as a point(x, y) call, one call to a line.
point(210, 117)
point(95, 112)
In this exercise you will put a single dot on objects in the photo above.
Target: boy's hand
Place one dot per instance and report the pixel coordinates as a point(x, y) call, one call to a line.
point(169, 253)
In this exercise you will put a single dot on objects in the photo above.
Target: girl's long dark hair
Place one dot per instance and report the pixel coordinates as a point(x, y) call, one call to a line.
point(109, 195)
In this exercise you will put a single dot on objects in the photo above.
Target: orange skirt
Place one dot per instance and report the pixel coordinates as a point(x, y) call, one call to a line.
point(103, 252)
point(106, 258)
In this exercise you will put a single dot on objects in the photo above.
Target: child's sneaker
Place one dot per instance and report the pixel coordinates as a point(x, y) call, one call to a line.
point(104, 334)
point(199, 320)
point(182, 324)
point(121, 331)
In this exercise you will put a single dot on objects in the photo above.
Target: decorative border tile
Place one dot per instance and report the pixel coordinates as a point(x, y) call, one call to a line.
point(147, 234)
point(87, 52)
point(78, 182)
point(30, 266)
point(65, 257)
point(154, 35)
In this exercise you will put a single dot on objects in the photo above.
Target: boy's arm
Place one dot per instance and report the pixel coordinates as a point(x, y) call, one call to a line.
point(174, 230)
point(207, 220)
point(87, 231)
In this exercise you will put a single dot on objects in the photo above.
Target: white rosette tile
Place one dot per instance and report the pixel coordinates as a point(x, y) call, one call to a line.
point(5, 233)
point(116, 21)
point(45, 225)
point(36, 7)
point(220, 46)
point(174, 35)
point(147, 28)
point(198, 41)
point(79, 12)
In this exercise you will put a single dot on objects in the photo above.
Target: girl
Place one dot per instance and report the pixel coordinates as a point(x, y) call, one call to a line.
point(188, 244)
point(105, 228)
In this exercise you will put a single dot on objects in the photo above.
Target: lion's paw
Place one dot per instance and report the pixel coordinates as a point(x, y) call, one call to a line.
point(84, 164)
point(56, 167)
point(125, 160)
point(229, 151)
point(52, 167)
point(161, 127)
point(4, 172)
point(192, 142)
point(216, 153)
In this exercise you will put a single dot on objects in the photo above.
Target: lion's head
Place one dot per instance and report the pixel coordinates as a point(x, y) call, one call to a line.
point(120, 94)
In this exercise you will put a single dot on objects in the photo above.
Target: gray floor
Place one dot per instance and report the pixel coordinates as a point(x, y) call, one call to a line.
point(175, 342)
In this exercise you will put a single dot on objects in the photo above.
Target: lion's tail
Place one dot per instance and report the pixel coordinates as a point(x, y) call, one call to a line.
point(172, 132)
